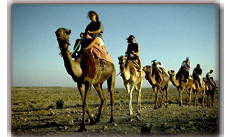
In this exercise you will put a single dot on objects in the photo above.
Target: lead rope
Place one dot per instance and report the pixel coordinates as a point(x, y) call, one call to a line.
point(76, 46)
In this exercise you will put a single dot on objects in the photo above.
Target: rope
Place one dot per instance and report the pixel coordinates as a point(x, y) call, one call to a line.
point(118, 74)
point(75, 48)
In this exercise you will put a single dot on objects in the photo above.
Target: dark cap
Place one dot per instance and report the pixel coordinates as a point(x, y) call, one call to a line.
point(130, 37)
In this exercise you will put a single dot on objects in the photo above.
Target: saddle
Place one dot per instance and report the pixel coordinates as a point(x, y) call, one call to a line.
point(134, 61)
point(159, 69)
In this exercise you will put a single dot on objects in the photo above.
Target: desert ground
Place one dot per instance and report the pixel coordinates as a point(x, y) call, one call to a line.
point(34, 113)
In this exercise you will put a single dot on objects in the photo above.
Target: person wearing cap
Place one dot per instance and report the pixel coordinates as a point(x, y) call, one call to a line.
point(185, 67)
point(197, 72)
point(209, 78)
point(133, 50)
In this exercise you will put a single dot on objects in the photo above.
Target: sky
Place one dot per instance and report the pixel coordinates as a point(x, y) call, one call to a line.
point(168, 33)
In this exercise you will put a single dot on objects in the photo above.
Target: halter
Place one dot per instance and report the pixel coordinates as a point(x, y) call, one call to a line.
point(64, 49)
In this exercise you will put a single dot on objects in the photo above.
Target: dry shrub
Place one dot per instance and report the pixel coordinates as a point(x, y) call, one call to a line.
point(43, 112)
point(59, 104)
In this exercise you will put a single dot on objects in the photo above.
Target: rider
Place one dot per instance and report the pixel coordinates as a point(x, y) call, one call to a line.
point(197, 72)
point(133, 50)
point(185, 67)
point(160, 68)
point(93, 33)
point(210, 79)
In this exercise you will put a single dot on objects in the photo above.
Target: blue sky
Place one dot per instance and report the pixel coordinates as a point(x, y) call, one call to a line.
point(166, 32)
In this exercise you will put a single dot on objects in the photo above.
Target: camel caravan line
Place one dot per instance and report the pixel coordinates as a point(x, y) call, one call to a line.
point(87, 70)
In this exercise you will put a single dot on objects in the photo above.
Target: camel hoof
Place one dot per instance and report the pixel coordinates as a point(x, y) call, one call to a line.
point(111, 120)
point(97, 120)
point(92, 121)
point(82, 129)
point(130, 113)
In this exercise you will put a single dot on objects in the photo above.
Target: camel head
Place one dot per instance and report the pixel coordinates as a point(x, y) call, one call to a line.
point(62, 35)
point(171, 73)
point(147, 69)
point(122, 60)
point(205, 79)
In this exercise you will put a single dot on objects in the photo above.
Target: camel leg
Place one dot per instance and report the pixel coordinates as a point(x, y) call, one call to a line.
point(156, 99)
point(98, 87)
point(167, 90)
point(180, 97)
point(195, 99)
point(208, 100)
point(212, 99)
point(189, 93)
point(81, 89)
point(162, 94)
point(85, 107)
point(129, 99)
point(203, 98)
point(111, 85)
point(139, 96)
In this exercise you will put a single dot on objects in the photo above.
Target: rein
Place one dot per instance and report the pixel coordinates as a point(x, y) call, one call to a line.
point(76, 46)
point(65, 49)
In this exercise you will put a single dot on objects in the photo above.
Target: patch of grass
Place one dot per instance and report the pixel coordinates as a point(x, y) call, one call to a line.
point(51, 105)
point(24, 102)
point(186, 99)
point(177, 100)
point(170, 101)
point(43, 112)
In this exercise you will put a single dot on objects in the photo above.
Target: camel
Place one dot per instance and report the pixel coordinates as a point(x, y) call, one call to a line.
point(197, 89)
point(132, 80)
point(209, 91)
point(86, 71)
point(181, 85)
point(157, 84)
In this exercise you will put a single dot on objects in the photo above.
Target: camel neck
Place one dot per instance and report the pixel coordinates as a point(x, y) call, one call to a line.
point(73, 67)
point(174, 81)
point(150, 78)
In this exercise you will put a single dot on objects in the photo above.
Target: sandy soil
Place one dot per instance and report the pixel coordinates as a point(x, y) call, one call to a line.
point(34, 113)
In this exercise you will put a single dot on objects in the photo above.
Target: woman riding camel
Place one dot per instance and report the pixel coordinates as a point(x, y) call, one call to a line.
point(133, 50)
point(93, 34)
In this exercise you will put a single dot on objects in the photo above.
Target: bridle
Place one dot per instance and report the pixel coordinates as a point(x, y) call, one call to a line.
point(63, 45)
point(62, 49)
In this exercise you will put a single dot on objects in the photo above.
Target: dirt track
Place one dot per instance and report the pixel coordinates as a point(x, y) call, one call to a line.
point(34, 113)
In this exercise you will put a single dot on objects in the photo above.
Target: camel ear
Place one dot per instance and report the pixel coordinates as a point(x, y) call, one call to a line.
point(69, 32)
